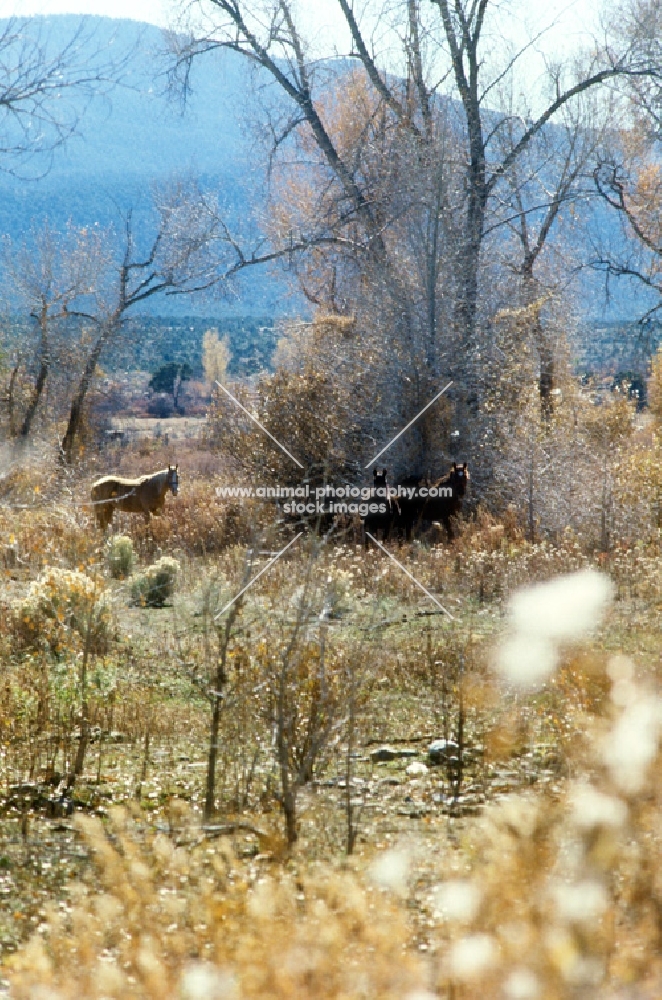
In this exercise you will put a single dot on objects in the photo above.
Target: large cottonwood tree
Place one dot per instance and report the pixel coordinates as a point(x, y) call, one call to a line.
point(435, 149)
point(628, 176)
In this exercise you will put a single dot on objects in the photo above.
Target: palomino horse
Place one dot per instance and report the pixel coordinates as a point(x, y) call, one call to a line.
point(144, 496)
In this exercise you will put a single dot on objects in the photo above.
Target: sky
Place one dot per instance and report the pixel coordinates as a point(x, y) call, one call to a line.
point(151, 11)
point(566, 25)
point(323, 17)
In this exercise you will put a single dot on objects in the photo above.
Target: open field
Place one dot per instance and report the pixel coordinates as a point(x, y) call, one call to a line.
point(331, 677)
point(331, 598)
point(178, 429)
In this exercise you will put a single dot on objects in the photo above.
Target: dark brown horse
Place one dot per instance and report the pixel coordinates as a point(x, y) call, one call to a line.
point(380, 520)
point(145, 495)
point(432, 501)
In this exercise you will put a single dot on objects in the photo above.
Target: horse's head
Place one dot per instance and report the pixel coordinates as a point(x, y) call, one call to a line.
point(173, 479)
point(459, 478)
point(379, 478)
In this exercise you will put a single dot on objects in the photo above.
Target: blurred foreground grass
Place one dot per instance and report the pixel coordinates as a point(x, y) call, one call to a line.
point(536, 875)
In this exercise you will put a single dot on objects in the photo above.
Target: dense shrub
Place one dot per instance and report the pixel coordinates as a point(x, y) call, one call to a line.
point(119, 556)
point(198, 522)
point(153, 587)
point(59, 610)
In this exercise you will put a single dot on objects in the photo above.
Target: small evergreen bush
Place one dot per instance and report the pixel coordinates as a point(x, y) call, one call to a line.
point(119, 556)
point(153, 587)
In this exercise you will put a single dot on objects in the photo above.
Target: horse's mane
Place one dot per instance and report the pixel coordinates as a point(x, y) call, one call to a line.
point(126, 481)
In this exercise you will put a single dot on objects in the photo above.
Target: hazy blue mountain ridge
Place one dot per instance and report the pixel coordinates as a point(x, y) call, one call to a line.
point(135, 137)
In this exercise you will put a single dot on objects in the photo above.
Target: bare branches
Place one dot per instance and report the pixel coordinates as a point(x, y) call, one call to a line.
point(611, 185)
point(368, 62)
point(564, 98)
point(44, 89)
point(636, 200)
point(297, 85)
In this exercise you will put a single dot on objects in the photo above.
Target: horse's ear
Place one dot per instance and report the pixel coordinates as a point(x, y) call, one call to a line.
point(465, 466)
point(453, 466)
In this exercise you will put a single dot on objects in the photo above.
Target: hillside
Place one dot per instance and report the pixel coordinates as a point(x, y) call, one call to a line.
point(136, 137)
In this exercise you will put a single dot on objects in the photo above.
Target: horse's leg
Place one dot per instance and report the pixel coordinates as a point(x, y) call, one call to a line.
point(145, 510)
point(101, 516)
point(448, 526)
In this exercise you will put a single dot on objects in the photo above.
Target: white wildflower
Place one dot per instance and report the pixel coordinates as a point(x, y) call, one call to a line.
point(546, 615)
point(203, 981)
point(591, 808)
point(522, 984)
point(526, 661)
point(632, 743)
point(473, 956)
point(457, 899)
point(391, 871)
point(563, 609)
point(583, 902)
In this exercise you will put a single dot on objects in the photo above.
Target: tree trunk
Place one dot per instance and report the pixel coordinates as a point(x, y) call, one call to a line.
point(210, 793)
point(288, 796)
point(11, 401)
point(41, 378)
point(76, 412)
point(219, 688)
point(34, 402)
point(220, 682)
point(546, 383)
point(77, 769)
point(290, 811)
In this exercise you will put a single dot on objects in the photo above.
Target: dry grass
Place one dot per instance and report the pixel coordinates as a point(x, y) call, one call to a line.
point(535, 878)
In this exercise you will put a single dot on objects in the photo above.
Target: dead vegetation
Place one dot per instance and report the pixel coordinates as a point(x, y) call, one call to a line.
point(518, 864)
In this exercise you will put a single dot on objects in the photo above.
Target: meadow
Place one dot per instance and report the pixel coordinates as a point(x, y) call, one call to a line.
point(331, 856)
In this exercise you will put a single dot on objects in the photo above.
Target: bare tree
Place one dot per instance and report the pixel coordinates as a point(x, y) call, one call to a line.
point(632, 188)
point(552, 177)
point(179, 259)
point(627, 175)
point(399, 128)
point(46, 274)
